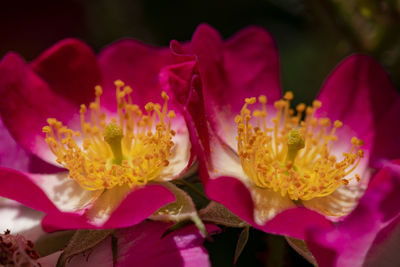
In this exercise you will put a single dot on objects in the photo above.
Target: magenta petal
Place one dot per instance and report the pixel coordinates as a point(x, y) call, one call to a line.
point(26, 102)
point(360, 94)
point(184, 84)
point(58, 220)
point(295, 222)
point(12, 155)
point(244, 66)
point(139, 205)
point(137, 65)
point(144, 245)
point(233, 194)
point(385, 250)
point(237, 198)
point(18, 186)
point(70, 68)
point(348, 243)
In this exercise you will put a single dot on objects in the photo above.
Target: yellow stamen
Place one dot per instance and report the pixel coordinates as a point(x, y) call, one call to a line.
point(293, 156)
point(131, 149)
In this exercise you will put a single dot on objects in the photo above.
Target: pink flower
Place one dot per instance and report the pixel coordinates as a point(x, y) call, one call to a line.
point(118, 154)
point(257, 157)
point(145, 245)
point(369, 236)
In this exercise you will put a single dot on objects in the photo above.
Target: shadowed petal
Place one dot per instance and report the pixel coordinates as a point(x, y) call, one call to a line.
point(137, 65)
point(70, 69)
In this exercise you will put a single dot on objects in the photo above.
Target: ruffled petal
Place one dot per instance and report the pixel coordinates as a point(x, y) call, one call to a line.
point(26, 102)
point(353, 240)
point(360, 94)
point(70, 69)
point(184, 84)
point(338, 204)
point(144, 245)
point(137, 65)
point(246, 65)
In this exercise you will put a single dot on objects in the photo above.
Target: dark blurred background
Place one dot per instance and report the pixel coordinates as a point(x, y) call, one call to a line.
point(312, 36)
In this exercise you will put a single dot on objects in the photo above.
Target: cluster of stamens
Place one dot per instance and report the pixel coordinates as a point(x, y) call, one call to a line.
point(132, 149)
point(15, 250)
point(293, 156)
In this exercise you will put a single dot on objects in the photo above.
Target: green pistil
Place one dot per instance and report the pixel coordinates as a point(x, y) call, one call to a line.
point(113, 136)
point(295, 142)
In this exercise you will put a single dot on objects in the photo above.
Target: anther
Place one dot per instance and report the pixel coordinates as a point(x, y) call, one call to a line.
point(288, 96)
point(119, 83)
point(316, 104)
point(98, 90)
point(337, 124)
point(251, 100)
point(262, 99)
point(164, 95)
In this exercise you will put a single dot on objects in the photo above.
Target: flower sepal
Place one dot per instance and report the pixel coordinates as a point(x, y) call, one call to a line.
point(300, 246)
point(219, 214)
point(180, 210)
point(81, 241)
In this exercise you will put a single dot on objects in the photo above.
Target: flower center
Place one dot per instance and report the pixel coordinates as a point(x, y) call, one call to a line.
point(293, 156)
point(15, 250)
point(132, 149)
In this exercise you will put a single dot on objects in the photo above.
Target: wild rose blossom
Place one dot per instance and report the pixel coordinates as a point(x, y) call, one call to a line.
point(278, 171)
point(145, 245)
point(369, 235)
point(118, 153)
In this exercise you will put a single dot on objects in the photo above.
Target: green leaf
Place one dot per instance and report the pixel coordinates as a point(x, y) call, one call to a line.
point(219, 214)
point(242, 241)
point(301, 247)
point(53, 242)
point(181, 209)
point(82, 241)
